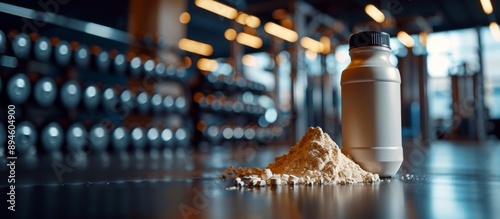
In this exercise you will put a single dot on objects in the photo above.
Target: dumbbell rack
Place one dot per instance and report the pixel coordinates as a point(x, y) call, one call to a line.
point(228, 111)
point(70, 97)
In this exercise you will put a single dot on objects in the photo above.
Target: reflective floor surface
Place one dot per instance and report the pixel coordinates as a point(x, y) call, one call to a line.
point(444, 180)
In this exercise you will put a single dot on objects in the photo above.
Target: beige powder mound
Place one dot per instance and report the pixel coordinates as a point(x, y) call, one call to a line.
point(316, 157)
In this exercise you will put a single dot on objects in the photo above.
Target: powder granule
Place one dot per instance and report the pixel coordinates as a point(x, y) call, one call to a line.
point(318, 158)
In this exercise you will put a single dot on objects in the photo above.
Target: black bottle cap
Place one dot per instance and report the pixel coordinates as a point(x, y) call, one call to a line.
point(369, 38)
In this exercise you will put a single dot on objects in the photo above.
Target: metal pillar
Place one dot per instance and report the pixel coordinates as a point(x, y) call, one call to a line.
point(425, 122)
point(158, 17)
point(479, 92)
point(299, 75)
point(236, 51)
point(274, 52)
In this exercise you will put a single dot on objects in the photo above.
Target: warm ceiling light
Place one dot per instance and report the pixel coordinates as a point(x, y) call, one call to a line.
point(230, 34)
point(374, 13)
point(495, 31)
point(241, 18)
point(326, 44)
point(311, 55)
point(311, 44)
point(342, 56)
point(250, 60)
point(184, 18)
point(423, 38)
point(252, 21)
point(217, 8)
point(207, 64)
point(249, 40)
point(281, 32)
point(487, 7)
point(195, 47)
point(405, 39)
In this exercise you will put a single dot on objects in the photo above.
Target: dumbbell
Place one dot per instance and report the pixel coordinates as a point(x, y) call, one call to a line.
point(42, 50)
point(26, 136)
point(154, 142)
point(109, 99)
point(160, 70)
point(216, 82)
point(82, 56)
point(168, 103)
point(202, 102)
point(154, 139)
point(167, 137)
point(103, 61)
point(119, 64)
point(238, 133)
point(170, 71)
point(181, 104)
point(249, 134)
point(127, 100)
point(238, 107)
point(211, 78)
point(135, 66)
point(227, 133)
point(148, 67)
point(21, 45)
point(76, 137)
point(120, 139)
point(100, 59)
point(70, 94)
point(216, 105)
point(18, 88)
point(181, 137)
point(45, 91)
point(156, 103)
point(99, 139)
point(138, 138)
point(91, 97)
point(52, 137)
point(143, 102)
point(181, 73)
point(62, 52)
point(213, 133)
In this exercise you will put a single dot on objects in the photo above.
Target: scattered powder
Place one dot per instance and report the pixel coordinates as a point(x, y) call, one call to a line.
point(315, 159)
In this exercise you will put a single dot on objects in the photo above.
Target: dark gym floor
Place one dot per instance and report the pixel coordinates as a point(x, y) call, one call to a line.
point(443, 180)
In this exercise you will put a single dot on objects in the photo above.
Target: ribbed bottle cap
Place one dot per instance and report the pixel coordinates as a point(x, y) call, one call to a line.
point(369, 38)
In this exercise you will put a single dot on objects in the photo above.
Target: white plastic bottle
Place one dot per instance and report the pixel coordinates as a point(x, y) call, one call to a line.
point(371, 105)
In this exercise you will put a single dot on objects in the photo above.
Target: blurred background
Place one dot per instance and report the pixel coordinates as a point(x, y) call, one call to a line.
point(165, 78)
